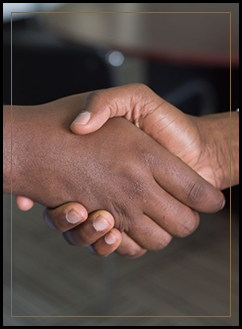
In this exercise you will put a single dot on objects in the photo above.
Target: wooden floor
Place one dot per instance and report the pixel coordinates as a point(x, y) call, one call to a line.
point(191, 277)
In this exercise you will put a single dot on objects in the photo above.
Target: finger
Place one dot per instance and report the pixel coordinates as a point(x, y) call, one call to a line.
point(101, 105)
point(107, 244)
point(184, 184)
point(23, 203)
point(95, 227)
point(148, 234)
point(65, 217)
point(168, 213)
point(129, 248)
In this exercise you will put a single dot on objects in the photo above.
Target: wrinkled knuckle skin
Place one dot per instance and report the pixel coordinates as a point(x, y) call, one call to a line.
point(127, 209)
point(194, 193)
point(139, 184)
point(121, 216)
point(151, 159)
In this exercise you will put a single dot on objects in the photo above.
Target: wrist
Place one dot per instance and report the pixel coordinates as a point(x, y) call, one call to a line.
point(15, 135)
point(39, 163)
point(220, 136)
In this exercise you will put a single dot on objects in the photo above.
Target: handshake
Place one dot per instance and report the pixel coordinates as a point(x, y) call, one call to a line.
point(129, 173)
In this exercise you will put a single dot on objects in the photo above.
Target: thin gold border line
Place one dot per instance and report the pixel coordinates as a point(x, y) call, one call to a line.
point(118, 12)
point(121, 316)
point(11, 214)
point(83, 316)
point(230, 210)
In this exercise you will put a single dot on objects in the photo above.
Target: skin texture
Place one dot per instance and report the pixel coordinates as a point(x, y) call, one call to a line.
point(203, 143)
point(151, 193)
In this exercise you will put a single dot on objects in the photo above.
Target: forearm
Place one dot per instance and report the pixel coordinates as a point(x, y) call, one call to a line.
point(221, 135)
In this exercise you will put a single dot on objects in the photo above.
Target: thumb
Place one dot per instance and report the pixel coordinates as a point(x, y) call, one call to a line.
point(89, 120)
point(101, 105)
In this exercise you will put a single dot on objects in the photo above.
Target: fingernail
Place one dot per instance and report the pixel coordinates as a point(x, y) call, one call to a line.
point(110, 238)
point(82, 118)
point(100, 224)
point(72, 217)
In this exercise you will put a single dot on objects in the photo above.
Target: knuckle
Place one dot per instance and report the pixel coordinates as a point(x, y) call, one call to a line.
point(138, 190)
point(194, 193)
point(151, 159)
point(127, 209)
point(139, 184)
point(121, 215)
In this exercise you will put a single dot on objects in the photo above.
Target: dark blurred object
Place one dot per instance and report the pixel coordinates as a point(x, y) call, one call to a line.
point(192, 33)
point(46, 67)
point(196, 90)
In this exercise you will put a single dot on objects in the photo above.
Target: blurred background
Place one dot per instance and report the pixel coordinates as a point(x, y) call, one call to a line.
point(185, 58)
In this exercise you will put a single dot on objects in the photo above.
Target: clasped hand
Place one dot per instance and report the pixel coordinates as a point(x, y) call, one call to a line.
point(150, 187)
